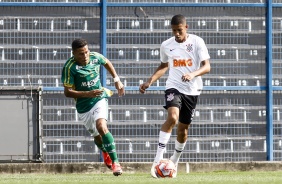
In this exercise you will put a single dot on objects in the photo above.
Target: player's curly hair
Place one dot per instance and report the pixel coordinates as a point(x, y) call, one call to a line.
point(178, 19)
point(78, 43)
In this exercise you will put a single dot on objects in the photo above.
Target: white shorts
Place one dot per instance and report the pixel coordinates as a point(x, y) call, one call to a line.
point(100, 110)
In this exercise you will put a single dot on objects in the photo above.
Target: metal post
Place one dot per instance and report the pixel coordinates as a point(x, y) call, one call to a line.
point(103, 18)
point(269, 87)
point(103, 33)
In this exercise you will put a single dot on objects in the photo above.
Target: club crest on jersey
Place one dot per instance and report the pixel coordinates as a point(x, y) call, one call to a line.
point(78, 67)
point(170, 97)
point(93, 61)
point(189, 47)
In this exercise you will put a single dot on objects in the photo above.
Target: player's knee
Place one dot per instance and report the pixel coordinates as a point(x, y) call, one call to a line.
point(102, 128)
point(173, 119)
point(182, 134)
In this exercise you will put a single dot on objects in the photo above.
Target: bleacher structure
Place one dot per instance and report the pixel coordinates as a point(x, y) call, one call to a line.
point(229, 125)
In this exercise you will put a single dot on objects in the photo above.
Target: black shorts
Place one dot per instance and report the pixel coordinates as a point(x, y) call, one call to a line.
point(185, 103)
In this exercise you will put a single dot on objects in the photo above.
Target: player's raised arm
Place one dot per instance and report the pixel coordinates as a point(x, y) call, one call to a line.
point(118, 84)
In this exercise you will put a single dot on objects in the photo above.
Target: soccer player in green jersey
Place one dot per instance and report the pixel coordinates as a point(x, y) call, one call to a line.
point(80, 76)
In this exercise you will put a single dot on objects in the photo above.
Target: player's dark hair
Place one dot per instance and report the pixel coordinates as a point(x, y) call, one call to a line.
point(178, 19)
point(78, 43)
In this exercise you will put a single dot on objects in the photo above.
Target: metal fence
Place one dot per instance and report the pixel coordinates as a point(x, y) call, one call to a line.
point(236, 119)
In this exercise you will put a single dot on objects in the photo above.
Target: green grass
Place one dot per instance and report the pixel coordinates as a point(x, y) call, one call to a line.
point(246, 177)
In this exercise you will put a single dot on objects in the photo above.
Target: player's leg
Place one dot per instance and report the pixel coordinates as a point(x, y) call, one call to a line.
point(172, 106)
point(106, 157)
point(165, 131)
point(95, 122)
point(89, 122)
point(100, 116)
point(164, 136)
point(107, 139)
point(88, 119)
point(186, 115)
point(180, 142)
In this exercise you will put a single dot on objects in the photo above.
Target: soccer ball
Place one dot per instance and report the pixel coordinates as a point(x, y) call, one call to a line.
point(165, 169)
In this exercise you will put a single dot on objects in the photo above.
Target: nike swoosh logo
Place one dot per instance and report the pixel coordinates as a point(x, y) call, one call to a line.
point(171, 49)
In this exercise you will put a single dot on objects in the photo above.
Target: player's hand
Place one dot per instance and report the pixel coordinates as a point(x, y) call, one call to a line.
point(187, 77)
point(95, 93)
point(143, 87)
point(120, 88)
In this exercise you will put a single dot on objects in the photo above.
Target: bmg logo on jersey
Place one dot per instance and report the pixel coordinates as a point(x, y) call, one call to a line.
point(182, 62)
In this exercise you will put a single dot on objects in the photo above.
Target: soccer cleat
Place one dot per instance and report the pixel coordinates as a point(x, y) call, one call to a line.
point(116, 169)
point(153, 173)
point(175, 173)
point(107, 160)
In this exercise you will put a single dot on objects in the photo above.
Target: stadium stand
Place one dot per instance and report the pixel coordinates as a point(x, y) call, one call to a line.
point(228, 125)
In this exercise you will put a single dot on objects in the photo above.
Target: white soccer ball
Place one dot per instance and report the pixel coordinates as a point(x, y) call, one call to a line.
point(165, 169)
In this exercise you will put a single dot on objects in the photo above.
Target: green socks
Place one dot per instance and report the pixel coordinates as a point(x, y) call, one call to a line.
point(109, 145)
point(100, 146)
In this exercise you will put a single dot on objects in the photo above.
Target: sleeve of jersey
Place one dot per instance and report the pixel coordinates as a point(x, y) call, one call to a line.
point(101, 59)
point(203, 50)
point(67, 78)
point(163, 56)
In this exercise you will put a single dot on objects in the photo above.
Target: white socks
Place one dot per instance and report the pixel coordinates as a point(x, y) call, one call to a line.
point(163, 140)
point(179, 147)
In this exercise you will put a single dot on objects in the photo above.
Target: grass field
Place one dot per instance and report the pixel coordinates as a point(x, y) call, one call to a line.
point(246, 177)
